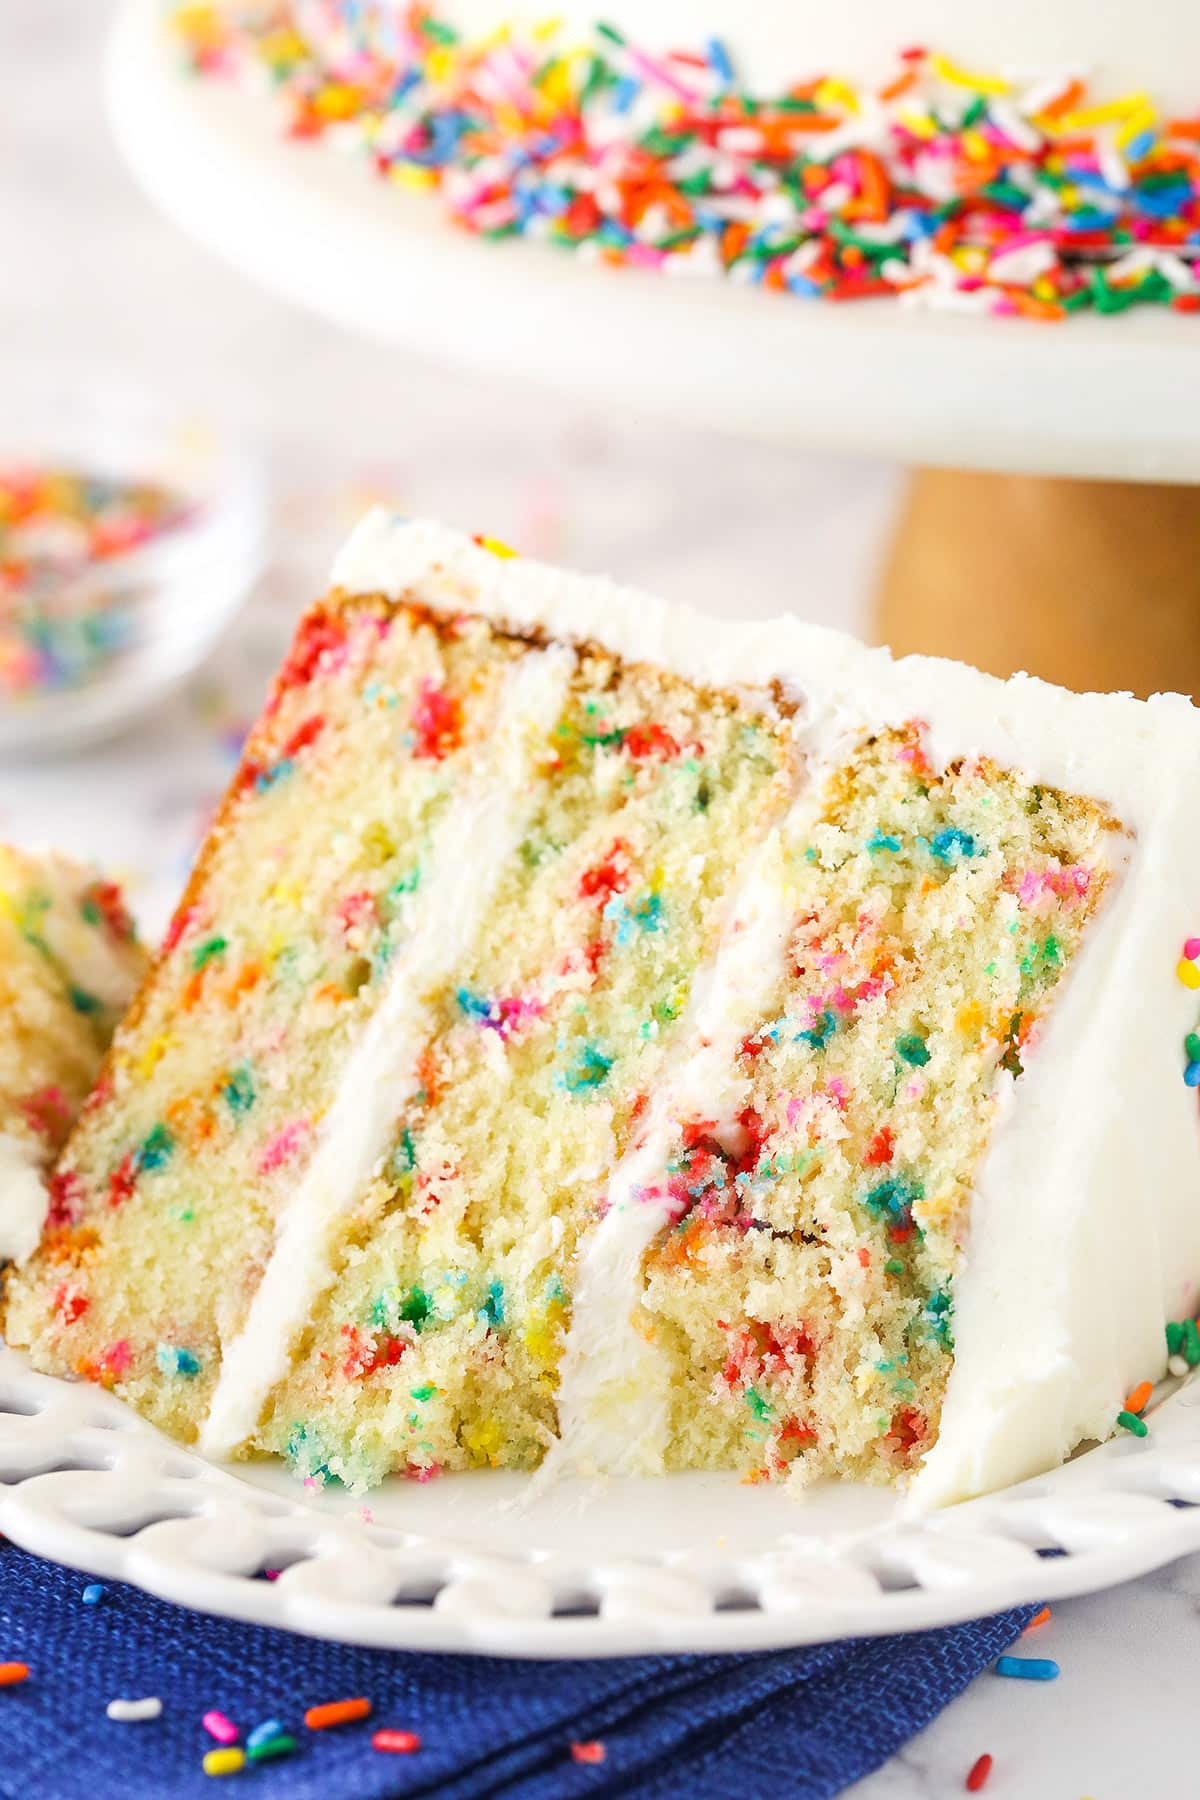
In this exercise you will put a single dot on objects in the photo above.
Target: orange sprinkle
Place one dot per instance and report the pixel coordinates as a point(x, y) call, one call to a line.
point(1064, 102)
point(1040, 1618)
point(12, 1673)
point(901, 85)
point(1140, 1397)
point(336, 1712)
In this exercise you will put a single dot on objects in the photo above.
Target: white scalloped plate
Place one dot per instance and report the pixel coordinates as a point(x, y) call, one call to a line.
point(469, 1563)
point(1110, 396)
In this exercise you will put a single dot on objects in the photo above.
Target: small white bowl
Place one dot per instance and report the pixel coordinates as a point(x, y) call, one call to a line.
point(184, 588)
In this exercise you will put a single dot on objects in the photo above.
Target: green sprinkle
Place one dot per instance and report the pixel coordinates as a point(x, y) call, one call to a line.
point(83, 1002)
point(1132, 1423)
point(283, 1745)
point(1191, 1044)
point(416, 1308)
point(911, 1049)
point(589, 1070)
point(893, 1266)
point(423, 1393)
point(204, 953)
point(156, 1148)
point(610, 32)
point(762, 1409)
point(1174, 1336)
point(1191, 1343)
point(238, 1091)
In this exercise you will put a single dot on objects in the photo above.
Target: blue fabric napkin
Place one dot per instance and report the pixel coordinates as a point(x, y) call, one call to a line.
point(799, 1723)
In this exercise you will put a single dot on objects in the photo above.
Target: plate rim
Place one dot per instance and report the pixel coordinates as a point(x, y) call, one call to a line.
point(84, 1481)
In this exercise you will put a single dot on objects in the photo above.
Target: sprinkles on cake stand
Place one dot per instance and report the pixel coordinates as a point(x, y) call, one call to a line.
point(947, 187)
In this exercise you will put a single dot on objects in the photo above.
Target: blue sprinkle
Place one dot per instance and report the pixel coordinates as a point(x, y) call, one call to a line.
point(590, 1070)
point(719, 61)
point(1192, 1074)
point(173, 1361)
point(1028, 1668)
point(883, 841)
point(952, 842)
point(624, 94)
point(474, 1005)
point(265, 1733)
point(492, 1310)
point(896, 1196)
point(92, 1594)
point(266, 778)
point(820, 1032)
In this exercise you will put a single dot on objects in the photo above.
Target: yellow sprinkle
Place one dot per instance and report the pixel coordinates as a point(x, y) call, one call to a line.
point(919, 123)
point(1104, 114)
point(1135, 125)
point(413, 179)
point(440, 62)
point(976, 146)
point(484, 1441)
point(1188, 973)
point(336, 101)
point(224, 1762)
point(503, 551)
point(548, 28)
point(153, 1054)
point(835, 92)
point(969, 78)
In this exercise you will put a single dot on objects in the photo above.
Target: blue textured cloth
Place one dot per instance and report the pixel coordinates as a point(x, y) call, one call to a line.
point(800, 1724)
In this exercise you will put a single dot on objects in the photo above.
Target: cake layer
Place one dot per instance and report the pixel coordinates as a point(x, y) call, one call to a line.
point(437, 1346)
point(601, 1037)
point(69, 963)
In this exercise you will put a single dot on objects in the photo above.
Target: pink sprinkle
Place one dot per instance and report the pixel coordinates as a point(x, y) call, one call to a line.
point(1192, 949)
point(429, 1473)
point(282, 1146)
point(272, 1574)
point(219, 1727)
point(117, 1358)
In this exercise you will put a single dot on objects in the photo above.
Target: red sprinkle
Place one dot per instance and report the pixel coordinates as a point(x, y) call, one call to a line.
point(980, 1771)
point(400, 1743)
point(592, 1752)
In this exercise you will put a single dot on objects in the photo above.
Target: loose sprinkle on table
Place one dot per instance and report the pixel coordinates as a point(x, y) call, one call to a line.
point(336, 1712)
point(400, 1743)
point(92, 1594)
point(282, 1744)
point(980, 1769)
point(224, 1762)
point(1027, 1668)
point(262, 1734)
point(132, 1712)
point(1130, 1422)
point(13, 1672)
point(219, 1727)
point(1139, 1399)
point(592, 1752)
point(1039, 1618)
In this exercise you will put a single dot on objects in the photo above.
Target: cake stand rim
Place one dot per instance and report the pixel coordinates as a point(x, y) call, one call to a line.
point(1099, 397)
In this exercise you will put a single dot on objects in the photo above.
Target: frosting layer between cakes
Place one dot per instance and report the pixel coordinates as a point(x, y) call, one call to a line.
point(606, 1038)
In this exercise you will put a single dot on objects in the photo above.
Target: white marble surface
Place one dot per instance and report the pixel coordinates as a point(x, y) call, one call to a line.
point(90, 280)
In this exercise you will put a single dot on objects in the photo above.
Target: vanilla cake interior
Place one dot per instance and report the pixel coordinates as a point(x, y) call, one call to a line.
point(596, 1038)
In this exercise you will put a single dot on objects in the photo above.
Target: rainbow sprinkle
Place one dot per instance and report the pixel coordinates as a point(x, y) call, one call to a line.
point(944, 188)
point(63, 616)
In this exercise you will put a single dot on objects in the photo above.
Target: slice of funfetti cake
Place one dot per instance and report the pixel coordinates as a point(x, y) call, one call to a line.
point(69, 963)
point(600, 1037)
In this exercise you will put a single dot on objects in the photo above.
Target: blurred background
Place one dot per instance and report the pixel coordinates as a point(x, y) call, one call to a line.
point(99, 295)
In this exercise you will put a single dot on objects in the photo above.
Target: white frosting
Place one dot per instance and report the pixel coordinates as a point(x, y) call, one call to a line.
point(23, 1198)
point(489, 818)
point(1085, 1220)
point(613, 1391)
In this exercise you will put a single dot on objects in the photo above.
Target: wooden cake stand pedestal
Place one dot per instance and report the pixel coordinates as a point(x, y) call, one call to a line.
point(1094, 584)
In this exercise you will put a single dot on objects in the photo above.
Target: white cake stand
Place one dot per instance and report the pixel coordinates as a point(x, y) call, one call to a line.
point(1099, 396)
